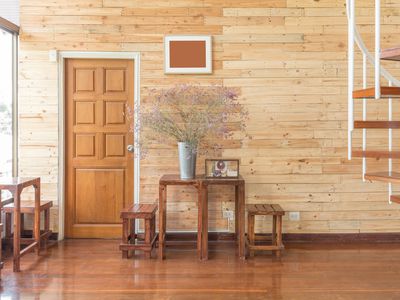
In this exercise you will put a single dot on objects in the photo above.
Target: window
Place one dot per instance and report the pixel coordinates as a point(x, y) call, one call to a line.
point(8, 100)
point(6, 103)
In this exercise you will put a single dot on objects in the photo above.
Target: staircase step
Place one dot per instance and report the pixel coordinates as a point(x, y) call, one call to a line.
point(383, 176)
point(386, 92)
point(375, 153)
point(391, 53)
point(395, 199)
point(377, 124)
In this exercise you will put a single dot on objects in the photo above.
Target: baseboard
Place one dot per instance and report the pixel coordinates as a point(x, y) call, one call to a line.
point(300, 237)
point(348, 238)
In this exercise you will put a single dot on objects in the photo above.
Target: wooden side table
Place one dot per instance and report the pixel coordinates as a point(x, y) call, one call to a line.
point(201, 184)
point(172, 179)
point(15, 185)
point(240, 205)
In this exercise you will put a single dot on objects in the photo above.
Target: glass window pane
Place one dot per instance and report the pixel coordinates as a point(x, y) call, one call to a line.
point(6, 100)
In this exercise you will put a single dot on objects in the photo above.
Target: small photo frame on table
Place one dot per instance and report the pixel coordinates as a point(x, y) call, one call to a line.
point(187, 54)
point(222, 168)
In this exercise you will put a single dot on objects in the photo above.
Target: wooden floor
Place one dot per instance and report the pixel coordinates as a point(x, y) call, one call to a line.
point(94, 269)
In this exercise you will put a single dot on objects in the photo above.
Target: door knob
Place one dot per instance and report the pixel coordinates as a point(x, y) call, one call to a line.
point(130, 148)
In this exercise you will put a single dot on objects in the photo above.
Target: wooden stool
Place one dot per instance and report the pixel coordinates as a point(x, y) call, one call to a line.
point(277, 212)
point(28, 207)
point(128, 216)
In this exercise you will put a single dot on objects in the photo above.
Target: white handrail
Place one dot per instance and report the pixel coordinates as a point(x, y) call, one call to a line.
point(377, 48)
point(350, 77)
point(360, 43)
point(364, 117)
point(390, 137)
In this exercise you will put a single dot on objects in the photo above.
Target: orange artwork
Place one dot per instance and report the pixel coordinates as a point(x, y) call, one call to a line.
point(187, 54)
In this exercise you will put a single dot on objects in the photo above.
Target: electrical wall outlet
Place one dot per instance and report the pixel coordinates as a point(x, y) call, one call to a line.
point(228, 214)
point(294, 216)
point(53, 55)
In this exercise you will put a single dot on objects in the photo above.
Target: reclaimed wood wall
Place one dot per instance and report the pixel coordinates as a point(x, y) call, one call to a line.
point(288, 57)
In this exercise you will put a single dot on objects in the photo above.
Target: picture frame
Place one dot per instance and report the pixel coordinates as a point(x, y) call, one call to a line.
point(222, 168)
point(187, 54)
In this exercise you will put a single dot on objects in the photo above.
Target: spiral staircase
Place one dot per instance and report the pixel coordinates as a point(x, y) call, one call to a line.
point(380, 90)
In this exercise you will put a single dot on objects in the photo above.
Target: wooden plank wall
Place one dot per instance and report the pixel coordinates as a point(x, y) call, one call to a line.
point(288, 57)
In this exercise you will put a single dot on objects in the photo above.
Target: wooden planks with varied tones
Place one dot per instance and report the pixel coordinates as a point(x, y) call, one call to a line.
point(289, 61)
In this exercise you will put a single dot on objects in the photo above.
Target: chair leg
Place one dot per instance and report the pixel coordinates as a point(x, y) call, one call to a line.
point(46, 225)
point(131, 236)
point(274, 231)
point(147, 236)
point(36, 230)
point(279, 235)
point(132, 232)
point(153, 227)
point(8, 225)
point(125, 233)
point(251, 232)
point(23, 225)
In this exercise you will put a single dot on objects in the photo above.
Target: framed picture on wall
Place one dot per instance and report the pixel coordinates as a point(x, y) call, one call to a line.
point(187, 54)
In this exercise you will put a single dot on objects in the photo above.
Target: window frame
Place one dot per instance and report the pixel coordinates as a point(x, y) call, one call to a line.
point(14, 30)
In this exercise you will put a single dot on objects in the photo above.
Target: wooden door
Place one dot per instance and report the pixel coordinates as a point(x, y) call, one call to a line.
point(99, 169)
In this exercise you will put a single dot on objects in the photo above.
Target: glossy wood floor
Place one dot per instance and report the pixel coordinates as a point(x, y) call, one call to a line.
point(94, 269)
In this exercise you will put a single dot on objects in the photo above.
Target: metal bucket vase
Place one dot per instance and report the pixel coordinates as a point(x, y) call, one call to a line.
point(187, 161)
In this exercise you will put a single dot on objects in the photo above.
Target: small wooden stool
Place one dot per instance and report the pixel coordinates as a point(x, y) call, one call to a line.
point(277, 212)
point(28, 207)
point(128, 216)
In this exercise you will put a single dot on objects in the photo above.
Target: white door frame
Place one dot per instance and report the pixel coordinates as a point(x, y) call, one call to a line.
point(62, 55)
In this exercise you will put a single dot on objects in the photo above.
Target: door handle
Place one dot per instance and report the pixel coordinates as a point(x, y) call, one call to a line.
point(130, 148)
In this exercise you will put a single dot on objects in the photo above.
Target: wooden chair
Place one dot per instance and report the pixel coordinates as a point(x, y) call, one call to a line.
point(274, 210)
point(128, 216)
point(28, 207)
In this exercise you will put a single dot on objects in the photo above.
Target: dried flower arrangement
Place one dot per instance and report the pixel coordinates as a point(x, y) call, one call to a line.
point(201, 116)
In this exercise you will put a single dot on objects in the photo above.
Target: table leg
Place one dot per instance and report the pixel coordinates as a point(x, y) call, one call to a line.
point(236, 212)
point(205, 222)
point(202, 235)
point(17, 230)
point(37, 217)
point(199, 222)
point(162, 220)
point(241, 224)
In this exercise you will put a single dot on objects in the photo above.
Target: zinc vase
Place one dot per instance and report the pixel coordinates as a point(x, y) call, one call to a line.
point(187, 161)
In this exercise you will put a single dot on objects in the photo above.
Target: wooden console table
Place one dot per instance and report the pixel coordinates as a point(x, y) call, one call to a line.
point(15, 185)
point(201, 184)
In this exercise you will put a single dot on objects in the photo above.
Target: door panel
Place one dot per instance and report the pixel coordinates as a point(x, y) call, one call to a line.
point(99, 195)
point(99, 181)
